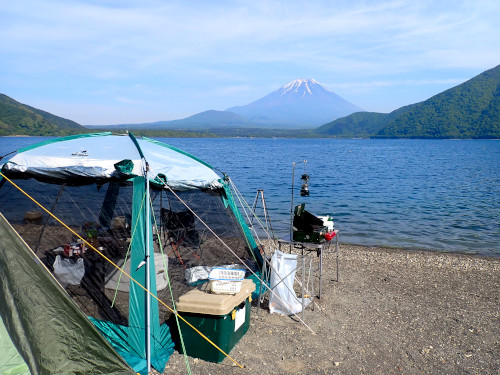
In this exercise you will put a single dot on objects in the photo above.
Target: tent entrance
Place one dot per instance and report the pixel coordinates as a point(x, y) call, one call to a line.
point(107, 216)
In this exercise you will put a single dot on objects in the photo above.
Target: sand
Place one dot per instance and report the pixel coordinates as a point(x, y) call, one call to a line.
point(391, 312)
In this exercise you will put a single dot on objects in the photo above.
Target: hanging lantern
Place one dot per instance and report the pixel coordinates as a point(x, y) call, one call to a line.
point(304, 189)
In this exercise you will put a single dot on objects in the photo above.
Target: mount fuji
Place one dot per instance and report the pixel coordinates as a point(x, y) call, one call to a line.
point(300, 103)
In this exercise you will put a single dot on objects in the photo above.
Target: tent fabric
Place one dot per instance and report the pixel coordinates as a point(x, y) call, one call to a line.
point(103, 156)
point(118, 336)
point(137, 313)
point(11, 361)
point(229, 202)
point(46, 326)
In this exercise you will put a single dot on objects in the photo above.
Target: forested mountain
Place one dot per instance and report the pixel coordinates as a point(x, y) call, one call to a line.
point(359, 124)
point(469, 110)
point(20, 119)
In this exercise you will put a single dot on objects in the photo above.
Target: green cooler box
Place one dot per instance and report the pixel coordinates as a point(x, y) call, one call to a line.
point(223, 318)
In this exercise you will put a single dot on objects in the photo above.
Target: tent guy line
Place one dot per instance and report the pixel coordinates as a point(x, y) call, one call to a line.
point(242, 262)
point(121, 270)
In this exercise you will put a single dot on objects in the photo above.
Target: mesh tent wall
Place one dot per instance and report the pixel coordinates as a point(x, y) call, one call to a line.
point(97, 185)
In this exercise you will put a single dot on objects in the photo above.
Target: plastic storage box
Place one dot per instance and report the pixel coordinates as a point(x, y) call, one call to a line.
point(223, 318)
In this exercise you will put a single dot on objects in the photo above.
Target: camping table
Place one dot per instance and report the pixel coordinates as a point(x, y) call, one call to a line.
point(306, 248)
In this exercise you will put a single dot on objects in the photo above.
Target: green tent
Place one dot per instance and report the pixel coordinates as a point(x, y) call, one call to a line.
point(150, 208)
point(11, 362)
point(42, 328)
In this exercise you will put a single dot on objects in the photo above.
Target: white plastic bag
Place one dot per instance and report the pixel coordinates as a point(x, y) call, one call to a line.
point(284, 300)
point(68, 273)
point(194, 274)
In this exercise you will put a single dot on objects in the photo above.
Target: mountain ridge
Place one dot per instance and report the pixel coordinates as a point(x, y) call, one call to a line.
point(21, 119)
point(198, 121)
point(302, 103)
point(468, 110)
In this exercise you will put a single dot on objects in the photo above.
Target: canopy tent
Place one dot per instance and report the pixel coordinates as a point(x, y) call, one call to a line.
point(103, 156)
point(133, 199)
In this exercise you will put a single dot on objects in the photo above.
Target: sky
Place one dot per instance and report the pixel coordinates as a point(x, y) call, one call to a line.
point(101, 62)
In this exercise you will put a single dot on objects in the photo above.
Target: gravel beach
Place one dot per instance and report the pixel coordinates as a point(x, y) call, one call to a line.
point(391, 312)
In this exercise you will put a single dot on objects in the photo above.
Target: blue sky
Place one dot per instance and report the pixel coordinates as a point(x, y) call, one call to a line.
point(129, 61)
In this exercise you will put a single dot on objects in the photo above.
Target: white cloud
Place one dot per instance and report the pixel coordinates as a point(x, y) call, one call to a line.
point(241, 49)
point(143, 35)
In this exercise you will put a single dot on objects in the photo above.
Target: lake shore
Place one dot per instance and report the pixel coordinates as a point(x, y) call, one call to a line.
point(392, 311)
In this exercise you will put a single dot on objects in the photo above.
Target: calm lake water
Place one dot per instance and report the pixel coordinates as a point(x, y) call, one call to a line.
point(418, 194)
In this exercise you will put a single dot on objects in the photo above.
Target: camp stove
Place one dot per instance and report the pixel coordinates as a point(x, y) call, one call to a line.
point(311, 228)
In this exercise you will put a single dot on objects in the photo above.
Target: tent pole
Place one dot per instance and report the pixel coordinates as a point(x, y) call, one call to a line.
point(291, 208)
point(148, 279)
point(47, 221)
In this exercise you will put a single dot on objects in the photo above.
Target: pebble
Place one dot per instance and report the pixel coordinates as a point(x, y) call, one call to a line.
point(362, 289)
point(426, 350)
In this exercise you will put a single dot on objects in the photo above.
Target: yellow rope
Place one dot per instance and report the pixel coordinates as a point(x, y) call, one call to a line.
point(123, 271)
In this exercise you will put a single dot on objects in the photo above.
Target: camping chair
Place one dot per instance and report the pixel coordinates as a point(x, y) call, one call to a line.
point(181, 232)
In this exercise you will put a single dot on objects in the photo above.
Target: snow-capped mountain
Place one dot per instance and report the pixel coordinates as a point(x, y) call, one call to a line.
point(303, 103)
point(300, 103)
point(301, 87)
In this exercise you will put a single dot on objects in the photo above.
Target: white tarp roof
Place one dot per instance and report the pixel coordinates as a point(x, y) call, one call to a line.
point(95, 155)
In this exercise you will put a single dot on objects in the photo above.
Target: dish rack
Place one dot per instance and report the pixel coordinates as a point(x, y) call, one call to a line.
point(225, 280)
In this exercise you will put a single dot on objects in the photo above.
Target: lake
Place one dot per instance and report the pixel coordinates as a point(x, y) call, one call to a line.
point(418, 194)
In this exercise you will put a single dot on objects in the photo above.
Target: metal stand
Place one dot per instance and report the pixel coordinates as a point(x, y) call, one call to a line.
point(267, 219)
point(306, 249)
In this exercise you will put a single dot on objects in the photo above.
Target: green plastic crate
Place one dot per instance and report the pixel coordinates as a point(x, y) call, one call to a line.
point(220, 329)
point(225, 325)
